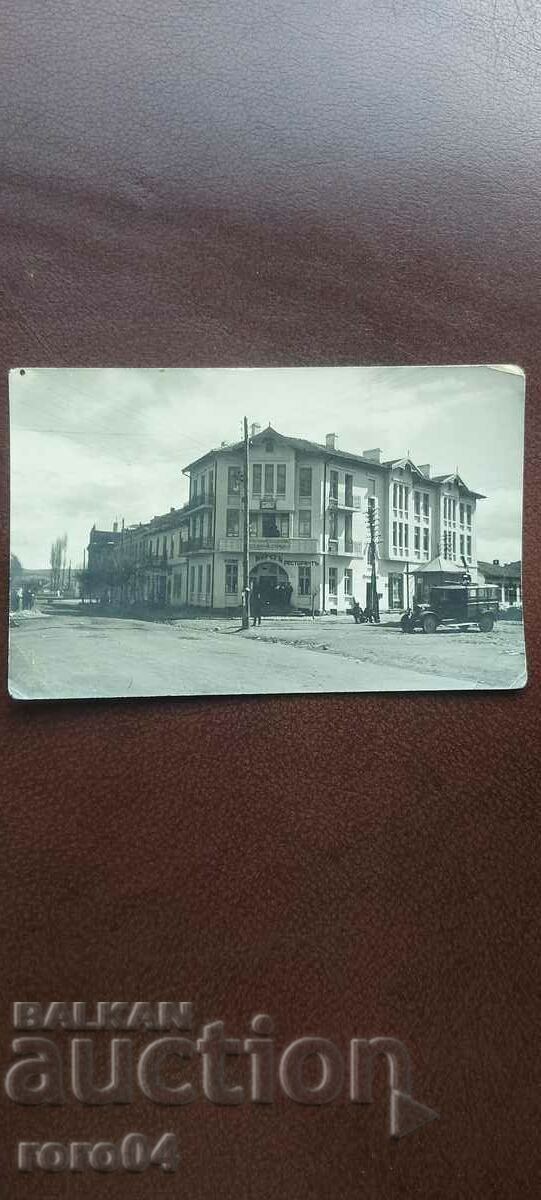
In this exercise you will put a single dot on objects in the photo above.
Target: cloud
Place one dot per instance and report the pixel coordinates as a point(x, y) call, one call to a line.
point(91, 446)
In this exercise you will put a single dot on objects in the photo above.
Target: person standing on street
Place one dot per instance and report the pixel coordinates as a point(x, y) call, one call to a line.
point(256, 606)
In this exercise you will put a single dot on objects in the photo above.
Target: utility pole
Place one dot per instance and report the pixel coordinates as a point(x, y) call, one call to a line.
point(246, 532)
point(373, 606)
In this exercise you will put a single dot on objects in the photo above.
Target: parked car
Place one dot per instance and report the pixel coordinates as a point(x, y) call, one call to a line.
point(455, 604)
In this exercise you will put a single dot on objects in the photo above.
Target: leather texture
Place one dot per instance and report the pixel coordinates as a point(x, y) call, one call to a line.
point(251, 184)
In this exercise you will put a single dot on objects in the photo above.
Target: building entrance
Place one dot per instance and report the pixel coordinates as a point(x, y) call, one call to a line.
point(272, 583)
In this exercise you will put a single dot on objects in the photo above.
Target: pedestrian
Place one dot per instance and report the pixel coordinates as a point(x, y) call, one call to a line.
point(356, 611)
point(256, 607)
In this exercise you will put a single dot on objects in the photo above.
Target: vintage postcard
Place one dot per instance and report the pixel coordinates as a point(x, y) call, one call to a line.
point(270, 530)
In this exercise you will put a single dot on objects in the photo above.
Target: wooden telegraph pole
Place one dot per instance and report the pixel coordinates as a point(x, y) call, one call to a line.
point(373, 607)
point(246, 532)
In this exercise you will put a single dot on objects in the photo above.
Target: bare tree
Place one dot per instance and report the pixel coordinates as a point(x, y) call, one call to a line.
point(58, 562)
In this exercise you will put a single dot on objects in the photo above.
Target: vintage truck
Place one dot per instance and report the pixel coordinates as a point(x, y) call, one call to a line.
point(461, 605)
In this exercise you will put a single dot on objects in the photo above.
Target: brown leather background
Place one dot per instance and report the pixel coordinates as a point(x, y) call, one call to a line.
point(369, 192)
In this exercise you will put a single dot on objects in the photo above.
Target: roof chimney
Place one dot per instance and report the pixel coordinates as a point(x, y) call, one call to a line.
point(495, 562)
point(425, 468)
point(255, 429)
point(330, 441)
point(373, 455)
point(115, 526)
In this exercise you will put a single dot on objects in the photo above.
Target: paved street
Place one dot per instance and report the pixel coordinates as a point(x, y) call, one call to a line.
point(76, 656)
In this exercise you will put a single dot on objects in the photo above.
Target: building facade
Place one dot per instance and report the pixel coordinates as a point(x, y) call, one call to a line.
point(507, 577)
point(309, 542)
point(309, 536)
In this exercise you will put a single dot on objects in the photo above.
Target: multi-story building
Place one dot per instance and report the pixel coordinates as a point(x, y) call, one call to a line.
point(309, 537)
point(309, 543)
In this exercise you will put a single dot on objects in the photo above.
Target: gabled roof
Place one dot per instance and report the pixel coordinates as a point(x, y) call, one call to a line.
point(307, 447)
point(455, 478)
point(406, 462)
point(439, 566)
point(104, 535)
point(301, 444)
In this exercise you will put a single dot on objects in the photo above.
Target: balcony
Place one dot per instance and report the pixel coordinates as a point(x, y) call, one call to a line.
point(199, 543)
point(273, 545)
point(202, 500)
point(351, 549)
point(350, 503)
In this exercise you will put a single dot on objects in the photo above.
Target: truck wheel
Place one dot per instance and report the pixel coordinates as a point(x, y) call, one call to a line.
point(486, 623)
point(429, 623)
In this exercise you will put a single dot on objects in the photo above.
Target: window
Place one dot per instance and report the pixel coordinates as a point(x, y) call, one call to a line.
point(333, 526)
point(211, 483)
point(468, 547)
point(192, 580)
point(232, 522)
point(349, 491)
point(172, 551)
point(275, 525)
point(400, 498)
point(348, 583)
point(281, 479)
point(426, 543)
point(233, 481)
point(256, 479)
point(396, 592)
point(305, 523)
point(305, 581)
point(333, 581)
point(462, 544)
point(231, 578)
point(269, 446)
point(461, 513)
point(426, 509)
point(348, 533)
point(253, 525)
point(200, 578)
point(207, 586)
point(305, 482)
point(333, 485)
point(269, 479)
point(468, 515)
point(417, 542)
point(417, 504)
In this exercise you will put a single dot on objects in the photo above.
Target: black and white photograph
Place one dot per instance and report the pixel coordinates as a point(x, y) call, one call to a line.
point(204, 531)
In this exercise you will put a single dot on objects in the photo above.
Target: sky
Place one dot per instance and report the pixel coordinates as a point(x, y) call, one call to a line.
point(92, 446)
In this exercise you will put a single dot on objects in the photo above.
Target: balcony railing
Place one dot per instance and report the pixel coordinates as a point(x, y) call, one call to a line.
point(201, 499)
point(200, 543)
point(352, 503)
point(353, 549)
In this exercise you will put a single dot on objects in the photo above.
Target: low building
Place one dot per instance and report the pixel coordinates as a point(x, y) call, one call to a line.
point(507, 577)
